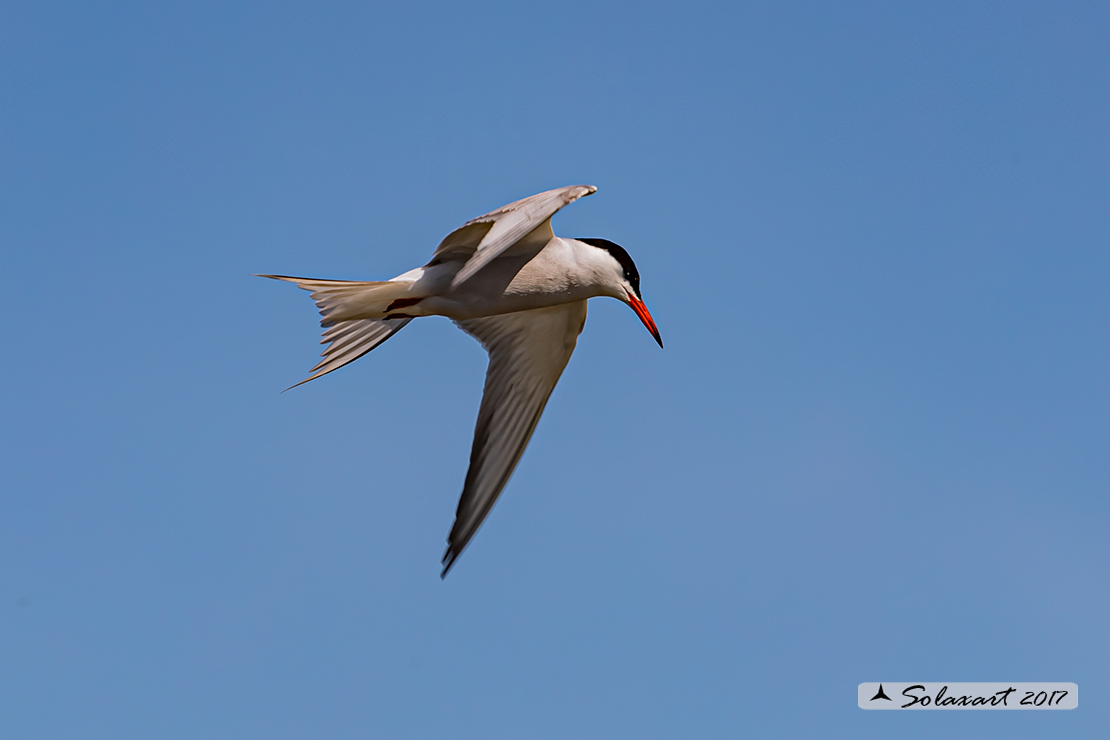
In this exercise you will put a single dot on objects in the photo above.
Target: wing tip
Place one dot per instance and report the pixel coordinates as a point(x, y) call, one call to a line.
point(448, 560)
point(560, 197)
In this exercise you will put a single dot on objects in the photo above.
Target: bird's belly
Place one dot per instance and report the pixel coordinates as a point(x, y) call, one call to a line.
point(463, 306)
point(506, 285)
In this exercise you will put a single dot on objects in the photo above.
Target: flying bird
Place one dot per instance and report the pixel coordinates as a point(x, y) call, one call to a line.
point(505, 279)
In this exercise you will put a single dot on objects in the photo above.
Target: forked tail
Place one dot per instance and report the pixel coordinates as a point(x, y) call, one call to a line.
point(344, 306)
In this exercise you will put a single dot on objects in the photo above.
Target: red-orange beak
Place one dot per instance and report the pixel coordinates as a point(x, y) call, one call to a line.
point(641, 311)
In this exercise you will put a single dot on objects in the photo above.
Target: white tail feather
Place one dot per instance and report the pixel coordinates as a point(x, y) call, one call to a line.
point(343, 300)
point(343, 305)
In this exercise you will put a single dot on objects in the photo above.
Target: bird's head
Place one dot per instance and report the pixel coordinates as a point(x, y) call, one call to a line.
point(623, 280)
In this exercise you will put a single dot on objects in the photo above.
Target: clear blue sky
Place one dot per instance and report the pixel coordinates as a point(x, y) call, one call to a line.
point(875, 240)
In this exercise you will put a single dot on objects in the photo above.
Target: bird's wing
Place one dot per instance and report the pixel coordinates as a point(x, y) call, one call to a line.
point(527, 353)
point(482, 239)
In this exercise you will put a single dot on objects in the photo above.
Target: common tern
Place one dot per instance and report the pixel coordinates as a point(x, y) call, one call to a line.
point(505, 279)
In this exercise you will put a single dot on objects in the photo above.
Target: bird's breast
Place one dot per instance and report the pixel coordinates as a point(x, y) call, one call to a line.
point(517, 283)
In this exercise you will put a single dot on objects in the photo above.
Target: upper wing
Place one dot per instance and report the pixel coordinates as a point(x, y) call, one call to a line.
point(482, 239)
point(527, 353)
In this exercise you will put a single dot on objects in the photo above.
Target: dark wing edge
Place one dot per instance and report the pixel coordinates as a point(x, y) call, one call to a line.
point(528, 352)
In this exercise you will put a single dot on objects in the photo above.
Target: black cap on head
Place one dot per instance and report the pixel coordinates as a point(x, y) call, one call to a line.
point(631, 274)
